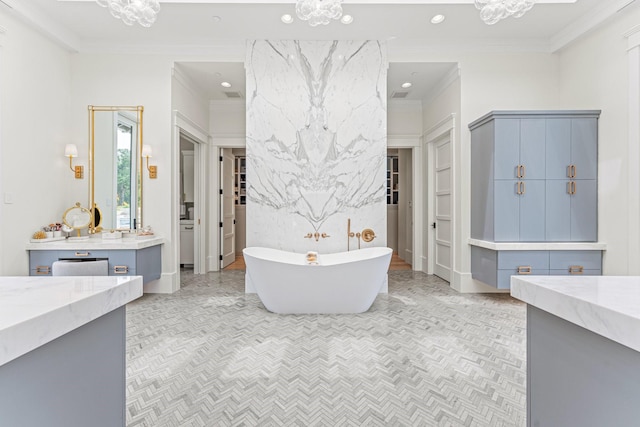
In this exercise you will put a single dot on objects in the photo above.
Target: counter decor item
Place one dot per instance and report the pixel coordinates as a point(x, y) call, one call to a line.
point(48, 233)
point(77, 218)
point(111, 235)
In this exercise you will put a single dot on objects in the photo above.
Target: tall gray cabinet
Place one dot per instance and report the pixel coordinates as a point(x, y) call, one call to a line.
point(533, 180)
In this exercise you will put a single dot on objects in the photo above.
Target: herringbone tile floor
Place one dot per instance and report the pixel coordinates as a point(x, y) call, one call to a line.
point(424, 355)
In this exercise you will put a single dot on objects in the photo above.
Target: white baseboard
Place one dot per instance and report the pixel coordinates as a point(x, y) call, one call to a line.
point(168, 283)
point(465, 284)
point(213, 264)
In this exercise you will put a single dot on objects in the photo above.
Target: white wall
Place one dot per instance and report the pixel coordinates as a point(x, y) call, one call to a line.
point(593, 75)
point(35, 82)
point(146, 81)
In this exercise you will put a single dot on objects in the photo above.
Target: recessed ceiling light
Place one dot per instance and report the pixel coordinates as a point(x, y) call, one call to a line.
point(225, 84)
point(406, 85)
point(216, 18)
point(437, 19)
point(286, 18)
point(346, 19)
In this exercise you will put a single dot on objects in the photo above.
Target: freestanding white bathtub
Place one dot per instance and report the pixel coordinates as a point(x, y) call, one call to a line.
point(345, 282)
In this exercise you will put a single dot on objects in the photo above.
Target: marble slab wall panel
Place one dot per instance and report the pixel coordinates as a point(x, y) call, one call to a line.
point(316, 143)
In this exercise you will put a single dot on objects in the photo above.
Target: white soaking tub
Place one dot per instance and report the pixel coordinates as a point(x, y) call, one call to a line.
point(344, 282)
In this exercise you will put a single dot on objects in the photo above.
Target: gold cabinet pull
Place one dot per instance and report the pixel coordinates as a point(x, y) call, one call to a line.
point(82, 254)
point(569, 187)
point(576, 269)
point(120, 269)
point(524, 269)
point(518, 171)
point(523, 172)
point(573, 171)
point(43, 269)
point(523, 187)
point(573, 187)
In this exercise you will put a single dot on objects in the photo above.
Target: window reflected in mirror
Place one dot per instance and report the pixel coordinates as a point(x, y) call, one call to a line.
point(116, 136)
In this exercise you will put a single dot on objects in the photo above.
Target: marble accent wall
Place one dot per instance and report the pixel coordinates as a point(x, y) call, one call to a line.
point(316, 143)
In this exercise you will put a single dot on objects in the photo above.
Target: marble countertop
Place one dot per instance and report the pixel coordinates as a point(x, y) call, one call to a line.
point(538, 246)
point(37, 310)
point(96, 243)
point(606, 305)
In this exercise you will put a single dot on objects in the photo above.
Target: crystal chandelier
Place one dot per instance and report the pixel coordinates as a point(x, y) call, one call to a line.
point(491, 11)
point(143, 12)
point(318, 11)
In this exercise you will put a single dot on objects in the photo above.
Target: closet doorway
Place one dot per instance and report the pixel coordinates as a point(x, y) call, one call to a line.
point(400, 206)
point(233, 212)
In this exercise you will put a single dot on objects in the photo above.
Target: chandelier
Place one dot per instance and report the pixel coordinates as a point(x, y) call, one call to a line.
point(318, 11)
point(491, 11)
point(143, 12)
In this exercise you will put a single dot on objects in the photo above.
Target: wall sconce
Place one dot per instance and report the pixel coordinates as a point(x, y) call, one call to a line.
point(153, 170)
point(71, 151)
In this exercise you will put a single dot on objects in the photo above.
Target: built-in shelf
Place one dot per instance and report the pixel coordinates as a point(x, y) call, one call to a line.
point(393, 176)
point(240, 184)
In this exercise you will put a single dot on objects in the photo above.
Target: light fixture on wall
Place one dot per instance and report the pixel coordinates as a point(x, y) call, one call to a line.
point(71, 151)
point(318, 11)
point(492, 11)
point(144, 12)
point(146, 153)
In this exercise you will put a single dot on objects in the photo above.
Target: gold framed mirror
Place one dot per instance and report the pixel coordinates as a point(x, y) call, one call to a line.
point(115, 167)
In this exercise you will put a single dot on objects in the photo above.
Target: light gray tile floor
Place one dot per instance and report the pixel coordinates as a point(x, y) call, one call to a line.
point(423, 355)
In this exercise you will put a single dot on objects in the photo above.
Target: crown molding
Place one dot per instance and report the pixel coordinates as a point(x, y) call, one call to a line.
point(633, 37)
point(442, 85)
point(42, 23)
point(591, 20)
point(186, 82)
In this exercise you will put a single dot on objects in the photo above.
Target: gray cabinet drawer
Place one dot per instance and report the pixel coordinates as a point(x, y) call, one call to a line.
point(588, 260)
point(122, 263)
point(83, 254)
point(40, 262)
point(511, 260)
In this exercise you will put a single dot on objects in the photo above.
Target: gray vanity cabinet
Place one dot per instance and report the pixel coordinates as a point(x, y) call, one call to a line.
point(145, 262)
point(533, 179)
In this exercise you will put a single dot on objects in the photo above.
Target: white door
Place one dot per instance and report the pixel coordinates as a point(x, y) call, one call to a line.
point(227, 207)
point(443, 207)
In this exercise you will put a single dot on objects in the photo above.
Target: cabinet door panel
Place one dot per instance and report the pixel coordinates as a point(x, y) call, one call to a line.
point(584, 148)
point(584, 211)
point(507, 148)
point(558, 211)
point(507, 212)
point(558, 148)
point(532, 148)
point(532, 211)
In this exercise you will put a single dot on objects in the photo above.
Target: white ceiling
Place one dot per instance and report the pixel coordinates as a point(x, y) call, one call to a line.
point(188, 26)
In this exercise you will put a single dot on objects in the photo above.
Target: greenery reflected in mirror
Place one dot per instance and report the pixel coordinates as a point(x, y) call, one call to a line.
point(115, 164)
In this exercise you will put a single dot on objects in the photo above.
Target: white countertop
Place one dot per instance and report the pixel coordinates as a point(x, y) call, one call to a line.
point(37, 310)
point(606, 305)
point(538, 246)
point(97, 243)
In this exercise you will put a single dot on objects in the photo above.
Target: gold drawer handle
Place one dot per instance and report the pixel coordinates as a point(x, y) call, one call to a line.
point(120, 269)
point(82, 253)
point(524, 269)
point(576, 269)
point(43, 269)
